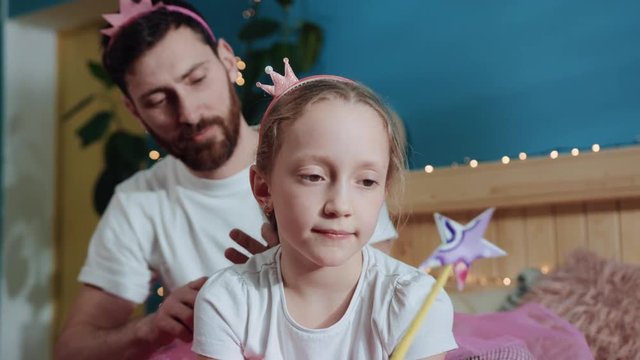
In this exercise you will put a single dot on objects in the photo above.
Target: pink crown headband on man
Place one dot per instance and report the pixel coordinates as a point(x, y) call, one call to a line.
point(283, 84)
point(130, 11)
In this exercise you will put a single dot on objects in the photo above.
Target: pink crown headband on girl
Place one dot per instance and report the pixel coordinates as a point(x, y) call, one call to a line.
point(283, 84)
point(130, 11)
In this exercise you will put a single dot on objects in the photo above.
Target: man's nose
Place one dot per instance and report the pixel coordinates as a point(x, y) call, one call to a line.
point(189, 110)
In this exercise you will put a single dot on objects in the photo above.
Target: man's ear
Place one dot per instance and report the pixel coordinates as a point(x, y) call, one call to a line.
point(132, 109)
point(260, 188)
point(228, 59)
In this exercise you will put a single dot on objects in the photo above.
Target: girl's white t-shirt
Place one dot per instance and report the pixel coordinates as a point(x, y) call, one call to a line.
point(241, 313)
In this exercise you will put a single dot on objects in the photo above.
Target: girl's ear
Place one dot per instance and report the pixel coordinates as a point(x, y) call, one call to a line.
point(260, 188)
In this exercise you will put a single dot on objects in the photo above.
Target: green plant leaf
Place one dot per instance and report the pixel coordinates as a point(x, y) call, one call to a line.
point(78, 107)
point(258, 28)
point(106, 184)
point(256, 62)
point(281, 50)
point(254, 105)
point(125, 154)
point(100, 73)
point(125, 150)
point(95, 127)
point(249, 94)
point(311, 40)
point(285, 3)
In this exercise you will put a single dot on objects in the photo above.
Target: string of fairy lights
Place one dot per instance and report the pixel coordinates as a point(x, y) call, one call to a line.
point(471, 281)
point(474, 281)
point(522, 156)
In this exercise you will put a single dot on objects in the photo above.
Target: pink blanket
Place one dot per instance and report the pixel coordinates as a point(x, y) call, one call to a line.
point(177, 350)
point(528, 332)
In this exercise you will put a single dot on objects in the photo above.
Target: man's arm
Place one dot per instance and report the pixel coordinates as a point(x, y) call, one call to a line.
point(98, 325)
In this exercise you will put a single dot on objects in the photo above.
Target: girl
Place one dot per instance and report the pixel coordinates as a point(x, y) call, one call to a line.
point(328, 153)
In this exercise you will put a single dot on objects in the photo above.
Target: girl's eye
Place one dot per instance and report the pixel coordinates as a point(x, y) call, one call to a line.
point(369, 183)
point(311, 177)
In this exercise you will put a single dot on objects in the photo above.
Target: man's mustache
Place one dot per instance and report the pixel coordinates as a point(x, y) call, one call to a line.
point(188, 131)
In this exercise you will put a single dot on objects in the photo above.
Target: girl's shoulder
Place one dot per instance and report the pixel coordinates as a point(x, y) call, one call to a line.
point(398, 291)
point(259, 271)
point(388, 267)
point(400, 286)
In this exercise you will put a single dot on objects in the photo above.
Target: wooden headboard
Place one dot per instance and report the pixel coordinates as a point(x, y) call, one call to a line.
point(545, 209)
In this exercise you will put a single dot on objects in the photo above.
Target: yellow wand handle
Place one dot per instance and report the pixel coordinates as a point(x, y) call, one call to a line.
point(403, 346)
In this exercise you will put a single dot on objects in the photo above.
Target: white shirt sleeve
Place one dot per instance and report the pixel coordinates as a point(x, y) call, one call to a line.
point(218, 315)
point(385, 230)
point(435, 336)
point(117, 258)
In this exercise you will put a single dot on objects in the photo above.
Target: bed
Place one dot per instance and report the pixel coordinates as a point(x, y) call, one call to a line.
point(565, 217)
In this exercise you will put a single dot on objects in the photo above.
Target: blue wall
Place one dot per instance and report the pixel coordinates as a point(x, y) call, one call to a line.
point(482, 79)
point(20, 7)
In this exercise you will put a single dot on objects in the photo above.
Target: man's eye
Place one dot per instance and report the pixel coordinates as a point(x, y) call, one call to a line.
point(155, 102)
point(198, 79)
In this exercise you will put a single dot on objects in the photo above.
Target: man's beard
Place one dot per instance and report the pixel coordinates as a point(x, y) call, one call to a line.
point(211, 154)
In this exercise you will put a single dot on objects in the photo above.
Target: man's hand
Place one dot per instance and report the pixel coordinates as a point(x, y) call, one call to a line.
point(252, 245)
point(99, 327)
point(174, 318)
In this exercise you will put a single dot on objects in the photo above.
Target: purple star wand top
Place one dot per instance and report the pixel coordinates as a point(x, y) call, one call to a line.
point(462, 244)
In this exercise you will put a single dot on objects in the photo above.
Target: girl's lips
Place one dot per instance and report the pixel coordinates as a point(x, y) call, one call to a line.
point(332, 232)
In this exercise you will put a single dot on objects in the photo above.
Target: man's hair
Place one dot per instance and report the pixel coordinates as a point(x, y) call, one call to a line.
point(136, 38)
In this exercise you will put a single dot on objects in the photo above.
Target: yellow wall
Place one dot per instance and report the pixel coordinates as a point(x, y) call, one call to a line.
point(77, 167)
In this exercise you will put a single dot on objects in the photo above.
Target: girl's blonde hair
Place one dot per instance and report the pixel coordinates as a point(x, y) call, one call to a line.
point(289, 107)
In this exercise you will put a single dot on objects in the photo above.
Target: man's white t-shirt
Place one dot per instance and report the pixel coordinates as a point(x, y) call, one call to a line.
point(241, 313)
point(166, 222)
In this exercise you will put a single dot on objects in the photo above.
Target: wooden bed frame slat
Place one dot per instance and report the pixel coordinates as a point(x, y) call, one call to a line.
point(607, 175)
point(545, 209)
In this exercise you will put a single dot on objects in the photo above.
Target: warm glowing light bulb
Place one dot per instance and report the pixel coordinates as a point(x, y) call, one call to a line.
point(575, 152)
point(506, 281)
point(428, 169)
point(249, 13)
point(506, 160)
point(160, 291)
point(240, 80)
point(154, 155)
point(473, 163)
point(595, 147)
point(545, 269)
point(554, 154)
point(522, 156)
